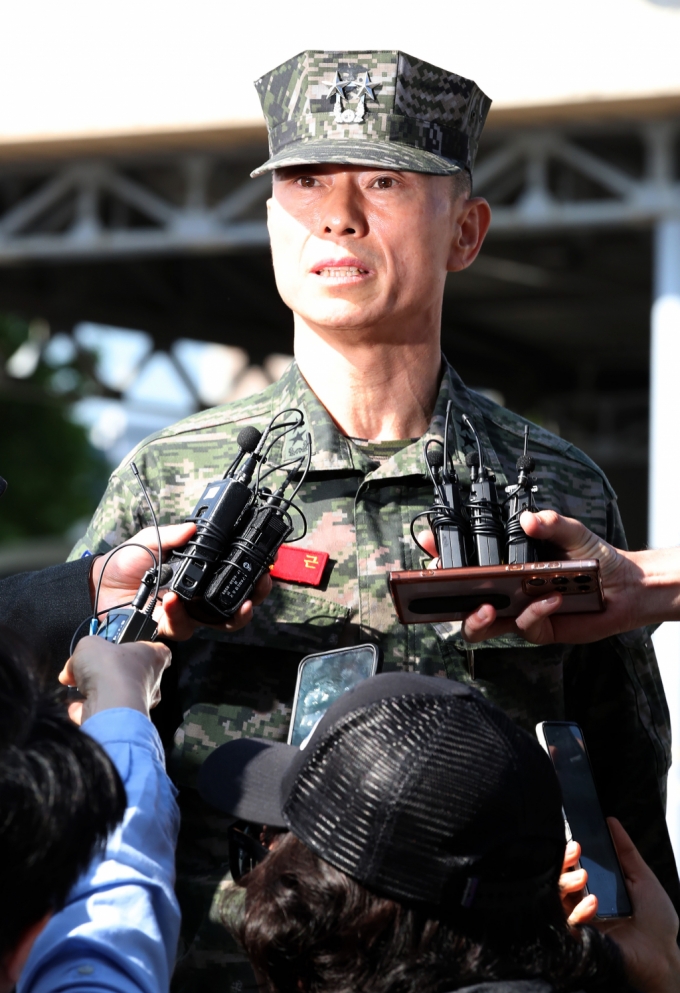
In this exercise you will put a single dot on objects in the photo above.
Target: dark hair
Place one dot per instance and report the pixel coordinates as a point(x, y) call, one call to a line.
point(461, 182)
point(309, 928)
point(60, 796)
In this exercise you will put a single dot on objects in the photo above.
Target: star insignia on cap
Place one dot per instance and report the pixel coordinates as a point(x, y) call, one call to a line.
point(337, 86)
point(365, 86)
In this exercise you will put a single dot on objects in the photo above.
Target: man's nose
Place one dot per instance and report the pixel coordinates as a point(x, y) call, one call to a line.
point(343, 212)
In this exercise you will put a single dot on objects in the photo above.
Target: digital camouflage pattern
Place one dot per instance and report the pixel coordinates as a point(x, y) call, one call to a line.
point(371, 108)
point(359, 512)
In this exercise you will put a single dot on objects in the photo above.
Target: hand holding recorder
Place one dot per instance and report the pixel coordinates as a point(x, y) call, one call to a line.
point(110, 676)
point(122, 570)
point(641, 588)
point(220, 555)
point(484, 556)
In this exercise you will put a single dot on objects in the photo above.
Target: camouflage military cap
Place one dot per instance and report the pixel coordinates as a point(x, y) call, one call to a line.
point(371, 108)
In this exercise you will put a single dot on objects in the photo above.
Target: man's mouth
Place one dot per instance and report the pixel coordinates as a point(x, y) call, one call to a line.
point(340, 268)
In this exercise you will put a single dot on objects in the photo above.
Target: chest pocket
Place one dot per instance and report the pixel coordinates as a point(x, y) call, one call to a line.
point(242, 684)
point(290, 621)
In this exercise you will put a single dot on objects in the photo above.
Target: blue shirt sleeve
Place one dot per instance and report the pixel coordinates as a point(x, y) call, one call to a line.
point(118, 931)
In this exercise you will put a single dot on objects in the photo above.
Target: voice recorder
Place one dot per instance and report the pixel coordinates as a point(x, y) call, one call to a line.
point(484, 555)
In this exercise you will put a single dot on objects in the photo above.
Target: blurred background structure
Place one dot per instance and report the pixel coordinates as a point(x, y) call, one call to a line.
point(134, 267)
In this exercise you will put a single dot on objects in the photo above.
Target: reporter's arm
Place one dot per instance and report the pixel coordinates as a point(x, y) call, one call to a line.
point(119, 929)
point(647, 939)
point(44, 608)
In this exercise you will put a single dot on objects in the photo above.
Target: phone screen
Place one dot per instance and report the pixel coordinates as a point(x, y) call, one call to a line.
point(586, 821)
point(322, 679)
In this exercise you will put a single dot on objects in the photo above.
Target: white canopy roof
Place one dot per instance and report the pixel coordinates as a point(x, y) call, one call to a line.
point(80, 68)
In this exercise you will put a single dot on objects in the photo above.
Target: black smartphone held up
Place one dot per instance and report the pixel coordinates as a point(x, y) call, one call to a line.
point(584, 820)
point(322, 678)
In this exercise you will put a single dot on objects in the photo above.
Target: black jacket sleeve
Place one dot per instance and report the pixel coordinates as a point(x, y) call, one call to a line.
point(45, 608)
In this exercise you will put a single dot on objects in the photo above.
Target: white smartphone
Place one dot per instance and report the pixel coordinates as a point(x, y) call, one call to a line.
point(322, 678)
point(583, 816)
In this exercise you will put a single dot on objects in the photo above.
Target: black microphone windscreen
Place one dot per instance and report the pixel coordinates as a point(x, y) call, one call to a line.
point(3, 485)
point(472, 459)
point(526, 463)
point(435, 456)
point(248, 438)
point(166, 574)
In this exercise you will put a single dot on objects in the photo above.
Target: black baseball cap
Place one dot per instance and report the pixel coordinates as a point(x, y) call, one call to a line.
point(416, 786)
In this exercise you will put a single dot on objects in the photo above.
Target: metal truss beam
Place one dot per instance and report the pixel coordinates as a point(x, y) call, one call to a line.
point(62, 218)
point(533, 163)
point(537, 181)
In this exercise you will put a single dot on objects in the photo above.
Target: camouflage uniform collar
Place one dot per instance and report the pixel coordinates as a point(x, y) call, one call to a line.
point(410, 461)
point(332, 450)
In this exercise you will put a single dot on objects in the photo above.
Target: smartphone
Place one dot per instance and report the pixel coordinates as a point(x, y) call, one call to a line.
point(430, 595)
point(583, 817)
point(322, 678)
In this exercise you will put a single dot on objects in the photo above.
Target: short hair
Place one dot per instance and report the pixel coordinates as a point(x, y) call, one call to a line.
point(60, 796)
point(461, 183)
point(308, 927)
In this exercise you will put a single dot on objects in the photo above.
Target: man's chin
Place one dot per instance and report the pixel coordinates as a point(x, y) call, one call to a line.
point(334, 323)
point(341, 315)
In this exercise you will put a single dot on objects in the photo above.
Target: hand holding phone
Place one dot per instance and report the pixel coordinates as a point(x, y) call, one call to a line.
point(584, 820)
point(648, 939)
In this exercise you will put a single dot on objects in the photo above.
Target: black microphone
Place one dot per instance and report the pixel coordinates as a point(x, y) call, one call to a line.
point(484, 509)
point(3, 485)
point(435, 457)
point(248, 438)
point(446, 519)
point(221, 510)
point(520, 497)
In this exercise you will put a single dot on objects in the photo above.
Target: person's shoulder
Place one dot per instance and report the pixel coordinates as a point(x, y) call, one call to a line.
point(508, 431)
point(216, 426)
point(236, 414)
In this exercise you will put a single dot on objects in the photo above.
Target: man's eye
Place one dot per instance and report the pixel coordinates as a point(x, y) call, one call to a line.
point(384, 182)
point(307, 181)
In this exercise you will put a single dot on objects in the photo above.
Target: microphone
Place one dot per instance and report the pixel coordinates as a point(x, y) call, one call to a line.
point(435, 458)
point(520, 497)
point(446, 518)
point(484, 509)
point(223, 507)
point(248, 438)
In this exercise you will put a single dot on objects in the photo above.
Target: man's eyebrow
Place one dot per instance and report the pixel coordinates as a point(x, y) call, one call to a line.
point(290, 172)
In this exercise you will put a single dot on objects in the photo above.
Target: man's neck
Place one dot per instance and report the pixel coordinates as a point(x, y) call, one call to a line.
point(377, 390)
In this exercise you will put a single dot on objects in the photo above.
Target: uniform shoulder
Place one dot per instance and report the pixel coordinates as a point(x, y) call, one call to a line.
point(512, 425)
point(228, 419)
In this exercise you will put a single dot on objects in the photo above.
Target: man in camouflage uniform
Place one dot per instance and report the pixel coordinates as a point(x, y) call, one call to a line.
point(371, 207)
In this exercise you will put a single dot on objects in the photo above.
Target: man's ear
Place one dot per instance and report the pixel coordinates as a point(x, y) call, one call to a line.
point(13, 962)
point(470, 228)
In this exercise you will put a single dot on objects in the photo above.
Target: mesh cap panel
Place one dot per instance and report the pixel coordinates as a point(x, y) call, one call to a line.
point(409, 792)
